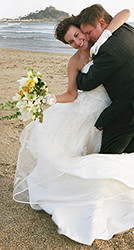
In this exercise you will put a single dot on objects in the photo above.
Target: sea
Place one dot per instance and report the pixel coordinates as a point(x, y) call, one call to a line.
point(35, 36)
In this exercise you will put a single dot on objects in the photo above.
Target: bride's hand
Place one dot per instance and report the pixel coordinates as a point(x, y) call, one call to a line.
point(102, 39)
point(50, 99)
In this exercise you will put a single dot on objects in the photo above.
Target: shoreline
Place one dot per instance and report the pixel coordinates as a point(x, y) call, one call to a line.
point(4, 20)
point(36, 51)
point(39, 51)
point(27, 20)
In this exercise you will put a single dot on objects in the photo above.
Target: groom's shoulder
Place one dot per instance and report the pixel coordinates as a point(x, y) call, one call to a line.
point(120, 45)
point(123, 36)
point(127, 27)
point(124, 31)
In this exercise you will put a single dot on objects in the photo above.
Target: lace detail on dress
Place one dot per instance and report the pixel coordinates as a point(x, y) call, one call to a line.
point(81, 136)
point(84, 151)
point(91, 101)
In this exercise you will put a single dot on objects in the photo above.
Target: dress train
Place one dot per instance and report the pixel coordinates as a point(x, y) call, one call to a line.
point(89, 195)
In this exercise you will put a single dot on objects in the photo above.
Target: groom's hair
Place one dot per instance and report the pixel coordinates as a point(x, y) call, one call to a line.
point(62, 27)
point(92, 14)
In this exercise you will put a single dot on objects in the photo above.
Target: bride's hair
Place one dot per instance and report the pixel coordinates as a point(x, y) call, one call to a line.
point(62, 27)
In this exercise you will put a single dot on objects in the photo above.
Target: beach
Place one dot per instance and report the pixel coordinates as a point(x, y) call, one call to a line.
point(22, 227)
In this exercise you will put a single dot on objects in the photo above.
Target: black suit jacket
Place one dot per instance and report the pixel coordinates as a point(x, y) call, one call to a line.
point(114, 68)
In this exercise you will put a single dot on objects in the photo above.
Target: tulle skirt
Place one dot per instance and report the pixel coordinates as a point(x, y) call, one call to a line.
point(89, 195)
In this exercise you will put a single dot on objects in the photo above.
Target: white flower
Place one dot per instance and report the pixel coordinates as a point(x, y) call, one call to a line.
point(17, 97)
point(35, 79)
point(38, 100)
point(38, 73)
point(44, 86)
point(20, 104)
point(23, 82)
point(44, 100)
point(39, 110)
point(32, 109)
point(30, 73)
point(29, 97)
point(26, 115)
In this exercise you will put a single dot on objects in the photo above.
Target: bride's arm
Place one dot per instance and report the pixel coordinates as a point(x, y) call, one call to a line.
point(71, 94)
point(118, 20)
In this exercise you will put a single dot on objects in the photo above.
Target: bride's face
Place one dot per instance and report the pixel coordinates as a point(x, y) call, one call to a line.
point(76, 38)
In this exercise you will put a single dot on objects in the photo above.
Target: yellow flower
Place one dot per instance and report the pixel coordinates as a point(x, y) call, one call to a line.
point(41, 119)
point(31, 83)
point(26, 89)
point(33, 117)
point(21, 93)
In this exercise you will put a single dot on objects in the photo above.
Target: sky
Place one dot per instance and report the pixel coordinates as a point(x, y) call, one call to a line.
point(15, 8)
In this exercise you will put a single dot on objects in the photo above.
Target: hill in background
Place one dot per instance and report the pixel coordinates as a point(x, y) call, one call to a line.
point(49, 14)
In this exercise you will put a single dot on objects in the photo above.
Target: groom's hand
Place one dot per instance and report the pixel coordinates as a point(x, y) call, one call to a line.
point(100, 128)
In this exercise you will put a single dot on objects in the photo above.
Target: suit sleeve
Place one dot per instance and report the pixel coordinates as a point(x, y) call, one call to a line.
point(103, 68)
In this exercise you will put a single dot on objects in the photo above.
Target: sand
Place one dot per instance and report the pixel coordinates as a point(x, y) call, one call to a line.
point(22, 227)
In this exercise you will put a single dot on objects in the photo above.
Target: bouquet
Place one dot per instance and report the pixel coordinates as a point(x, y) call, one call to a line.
point(30, 98)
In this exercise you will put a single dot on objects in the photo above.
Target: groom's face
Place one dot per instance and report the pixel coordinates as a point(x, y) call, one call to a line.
point(93, 33)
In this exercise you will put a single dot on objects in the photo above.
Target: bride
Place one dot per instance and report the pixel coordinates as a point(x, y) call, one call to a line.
point(89, 195)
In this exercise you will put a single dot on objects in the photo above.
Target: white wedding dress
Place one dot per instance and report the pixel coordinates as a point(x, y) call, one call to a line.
point(89, 195)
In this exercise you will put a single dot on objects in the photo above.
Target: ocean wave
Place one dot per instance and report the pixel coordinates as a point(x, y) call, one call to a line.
point(35, 36)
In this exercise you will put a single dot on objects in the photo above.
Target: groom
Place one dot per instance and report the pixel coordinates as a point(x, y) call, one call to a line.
point(114, 68)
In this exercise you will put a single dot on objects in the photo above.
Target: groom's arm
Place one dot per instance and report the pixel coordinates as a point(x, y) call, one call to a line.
point(111, 56)
point(103, 67)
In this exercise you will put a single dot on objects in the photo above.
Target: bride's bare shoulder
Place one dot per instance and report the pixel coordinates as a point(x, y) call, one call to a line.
point(74, 60)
